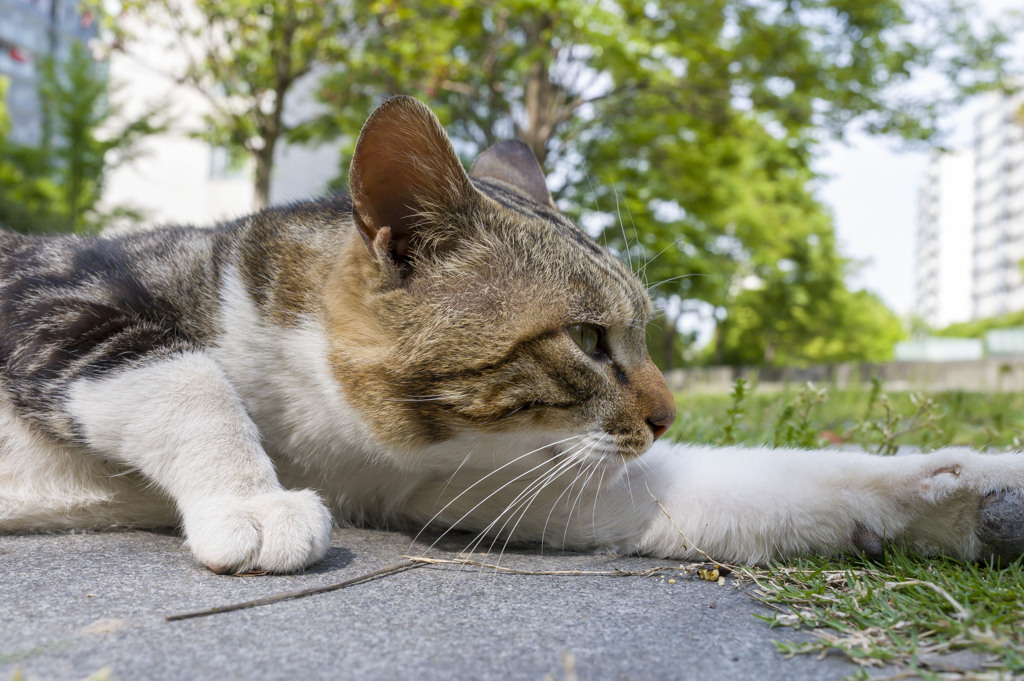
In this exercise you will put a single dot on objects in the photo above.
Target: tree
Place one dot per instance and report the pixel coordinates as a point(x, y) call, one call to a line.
point(685, 131)
point(25, 200)
point(56, 186)
point(243, 56)
point(804, 319)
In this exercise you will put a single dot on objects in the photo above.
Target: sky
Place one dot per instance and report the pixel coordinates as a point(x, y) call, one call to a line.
point(871, 186)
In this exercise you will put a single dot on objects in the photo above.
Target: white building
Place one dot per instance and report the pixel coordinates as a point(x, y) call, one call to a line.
point(176, 179)
point(944, 239)
point(998, 286)
point(179, 179)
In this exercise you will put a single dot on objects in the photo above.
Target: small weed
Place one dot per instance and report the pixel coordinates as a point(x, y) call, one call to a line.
point(794, 427)
point(734, 413)
point(892, 426)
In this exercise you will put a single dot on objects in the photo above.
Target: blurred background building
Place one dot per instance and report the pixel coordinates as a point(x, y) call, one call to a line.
point(970, 232)
point(944, 239)
point(199, 183)
point(30, 32)
point(969, 264)
point(177, 178)
point(998, 287)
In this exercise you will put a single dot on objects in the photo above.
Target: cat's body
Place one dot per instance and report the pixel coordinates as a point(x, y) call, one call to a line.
point(435, 351)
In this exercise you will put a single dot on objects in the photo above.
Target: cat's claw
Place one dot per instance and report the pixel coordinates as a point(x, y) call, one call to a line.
point(1001, 526)
point(281, 531)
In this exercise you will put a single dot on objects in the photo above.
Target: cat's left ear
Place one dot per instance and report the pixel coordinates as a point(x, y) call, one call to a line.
point(512, 162)
point(404, 170)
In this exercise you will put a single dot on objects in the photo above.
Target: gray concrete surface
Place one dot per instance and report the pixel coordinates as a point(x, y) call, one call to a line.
point(73, 604)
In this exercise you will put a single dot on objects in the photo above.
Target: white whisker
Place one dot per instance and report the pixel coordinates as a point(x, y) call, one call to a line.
point(467, 513)
point(583, 488)
point(539, 482)
point(492, 472)
point(525, 508)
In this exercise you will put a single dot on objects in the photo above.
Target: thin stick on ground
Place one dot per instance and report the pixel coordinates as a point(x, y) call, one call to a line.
point(420, 561)
point(617, 572)
point(292, 595)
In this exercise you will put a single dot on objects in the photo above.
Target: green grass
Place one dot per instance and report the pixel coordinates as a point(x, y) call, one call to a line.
point(915, 615)
point(906, 612)
point(810, 416)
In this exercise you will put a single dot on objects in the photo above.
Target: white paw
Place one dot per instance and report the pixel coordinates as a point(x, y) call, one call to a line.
point(976, 505)
point(280, 531)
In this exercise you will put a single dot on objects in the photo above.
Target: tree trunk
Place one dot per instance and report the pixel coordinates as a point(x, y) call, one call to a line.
point(669, 343)
point(539, 93)
point(719, 339)
point(264, 166)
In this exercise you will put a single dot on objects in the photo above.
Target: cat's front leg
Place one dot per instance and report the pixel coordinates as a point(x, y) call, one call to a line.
point(179, 422)
point(753, 505)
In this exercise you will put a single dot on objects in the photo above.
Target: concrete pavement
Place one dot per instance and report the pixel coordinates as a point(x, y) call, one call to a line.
point(71, 605)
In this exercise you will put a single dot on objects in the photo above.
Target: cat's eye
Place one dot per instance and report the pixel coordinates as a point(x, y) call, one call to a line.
point(589, 337)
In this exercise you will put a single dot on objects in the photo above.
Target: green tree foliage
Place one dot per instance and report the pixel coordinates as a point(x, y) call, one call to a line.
point(57, 186)
point(25, 199)
point(244, 56)
point(801, 330)
point(685, 131)
point(979, 327)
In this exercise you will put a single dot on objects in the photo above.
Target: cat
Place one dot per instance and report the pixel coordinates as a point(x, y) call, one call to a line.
point(438, 349)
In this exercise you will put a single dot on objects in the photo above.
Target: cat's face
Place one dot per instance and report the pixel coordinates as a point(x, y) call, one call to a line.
point(493, 313)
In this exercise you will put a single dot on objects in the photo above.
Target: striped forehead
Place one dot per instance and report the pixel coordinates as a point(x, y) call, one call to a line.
point(587, 264)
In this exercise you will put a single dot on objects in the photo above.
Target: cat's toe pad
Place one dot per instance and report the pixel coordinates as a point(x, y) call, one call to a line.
point(1001, 526)
point(280, 531)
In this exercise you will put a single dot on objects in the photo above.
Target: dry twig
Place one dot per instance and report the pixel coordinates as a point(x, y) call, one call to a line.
point(617, 572)
point(961, 611)
point(419, 561)
point(292, 595)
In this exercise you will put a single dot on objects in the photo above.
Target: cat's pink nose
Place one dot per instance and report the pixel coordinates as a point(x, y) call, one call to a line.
point(660, 423)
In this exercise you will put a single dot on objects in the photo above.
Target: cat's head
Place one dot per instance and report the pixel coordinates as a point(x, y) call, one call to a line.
point(483, 310)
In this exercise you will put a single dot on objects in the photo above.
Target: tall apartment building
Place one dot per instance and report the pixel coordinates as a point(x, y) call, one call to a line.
point(997, 281)
point(942, 274)
point(30, 31)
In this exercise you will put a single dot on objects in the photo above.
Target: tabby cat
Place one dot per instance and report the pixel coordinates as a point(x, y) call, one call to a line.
point(439, 349)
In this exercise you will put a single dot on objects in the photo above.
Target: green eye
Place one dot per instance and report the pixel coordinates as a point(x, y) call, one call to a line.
point(588, 337)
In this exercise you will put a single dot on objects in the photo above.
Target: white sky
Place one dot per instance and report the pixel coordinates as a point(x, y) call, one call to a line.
point(872, 190)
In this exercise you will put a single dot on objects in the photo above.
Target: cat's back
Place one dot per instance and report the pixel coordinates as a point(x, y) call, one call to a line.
point(170, 277)
point(91, 281)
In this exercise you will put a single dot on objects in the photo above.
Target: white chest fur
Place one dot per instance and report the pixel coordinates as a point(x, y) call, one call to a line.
point(312, 433)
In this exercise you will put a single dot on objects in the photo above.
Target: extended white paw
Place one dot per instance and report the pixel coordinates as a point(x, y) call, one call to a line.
point(978, 510)
point(280, 531)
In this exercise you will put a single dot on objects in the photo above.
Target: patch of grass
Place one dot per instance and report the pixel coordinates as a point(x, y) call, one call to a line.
point(928, 618)
point(868, 417)
point(913, 613)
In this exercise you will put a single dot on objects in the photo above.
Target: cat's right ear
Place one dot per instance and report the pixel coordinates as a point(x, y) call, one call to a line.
point(404, 171)
point(513, 163)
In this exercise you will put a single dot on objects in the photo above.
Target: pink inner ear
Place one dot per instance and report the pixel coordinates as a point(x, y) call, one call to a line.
point(403, 166)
